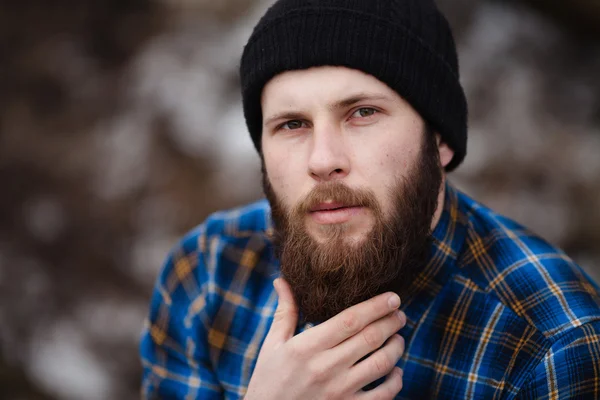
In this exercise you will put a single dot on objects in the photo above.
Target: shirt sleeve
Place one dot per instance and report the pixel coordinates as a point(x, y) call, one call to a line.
point(173, 348)
point(570, 368)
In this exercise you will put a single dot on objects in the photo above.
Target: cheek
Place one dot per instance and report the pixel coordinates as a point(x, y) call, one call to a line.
point(392, 166)
point(280, 173)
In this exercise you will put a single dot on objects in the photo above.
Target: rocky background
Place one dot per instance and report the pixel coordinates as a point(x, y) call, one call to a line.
point(121, 128)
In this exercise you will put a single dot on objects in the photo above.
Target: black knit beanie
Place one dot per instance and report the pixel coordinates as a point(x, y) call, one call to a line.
point(406, 44)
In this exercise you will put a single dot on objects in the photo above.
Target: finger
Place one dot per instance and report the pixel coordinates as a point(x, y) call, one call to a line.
point(369, 339)
point(351, 321)
point(285, 318)
point(378, 364)
point(387, 390)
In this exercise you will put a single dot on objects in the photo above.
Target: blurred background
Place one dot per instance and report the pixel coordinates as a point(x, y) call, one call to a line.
point(121, 128)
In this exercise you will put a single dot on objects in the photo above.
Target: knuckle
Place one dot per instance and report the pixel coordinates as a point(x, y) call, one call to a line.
point(283, 312)
point(294, 350)
point(318, 373)
point(350, 322)
point(279, 315)
point(382, 363)
point(372, 338)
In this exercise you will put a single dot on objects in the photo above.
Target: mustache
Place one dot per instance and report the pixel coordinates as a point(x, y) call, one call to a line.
point(336, 192)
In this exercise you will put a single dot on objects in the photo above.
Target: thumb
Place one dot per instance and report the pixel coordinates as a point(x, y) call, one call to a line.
point(285, 319)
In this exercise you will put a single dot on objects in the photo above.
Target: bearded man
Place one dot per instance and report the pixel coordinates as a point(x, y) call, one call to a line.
point(357, 113)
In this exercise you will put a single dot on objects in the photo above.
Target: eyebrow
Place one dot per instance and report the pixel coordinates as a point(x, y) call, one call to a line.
point(338, 105)
point(357, 98)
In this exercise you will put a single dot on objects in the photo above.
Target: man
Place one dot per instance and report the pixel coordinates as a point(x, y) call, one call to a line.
point(390, 282)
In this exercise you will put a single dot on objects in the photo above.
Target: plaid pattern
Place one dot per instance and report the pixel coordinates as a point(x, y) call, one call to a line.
point(497, 313)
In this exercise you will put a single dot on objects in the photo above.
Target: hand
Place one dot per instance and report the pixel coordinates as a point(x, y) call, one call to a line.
point(322, 362)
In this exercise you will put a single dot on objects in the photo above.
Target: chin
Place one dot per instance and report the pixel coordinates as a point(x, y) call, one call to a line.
point(355, 239)
point(347, 235)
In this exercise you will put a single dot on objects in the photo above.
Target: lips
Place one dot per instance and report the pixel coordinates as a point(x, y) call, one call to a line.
point(329, 207)
point(334, 213)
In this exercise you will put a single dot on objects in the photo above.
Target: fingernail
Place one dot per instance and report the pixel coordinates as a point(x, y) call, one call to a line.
point(400, 315)
point(394, 301)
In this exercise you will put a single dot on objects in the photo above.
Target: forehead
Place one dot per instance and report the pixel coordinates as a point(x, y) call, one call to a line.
point(321, 85)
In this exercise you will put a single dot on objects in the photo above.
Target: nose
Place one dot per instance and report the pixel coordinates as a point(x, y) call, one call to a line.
point(328, 159)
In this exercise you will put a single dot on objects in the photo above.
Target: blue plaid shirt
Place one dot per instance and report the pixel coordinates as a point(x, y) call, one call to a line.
point(497, 313)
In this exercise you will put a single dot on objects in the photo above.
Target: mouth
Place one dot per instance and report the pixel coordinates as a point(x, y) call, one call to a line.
point(329, 206)
point(334, 213)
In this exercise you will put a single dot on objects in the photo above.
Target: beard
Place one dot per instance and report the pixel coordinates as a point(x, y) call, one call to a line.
point(330, 276)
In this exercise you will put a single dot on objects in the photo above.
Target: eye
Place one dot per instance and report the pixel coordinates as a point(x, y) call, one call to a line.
point(364, 112)
point(292, 125)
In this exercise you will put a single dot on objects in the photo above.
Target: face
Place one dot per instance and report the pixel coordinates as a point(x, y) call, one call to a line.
point(353, 177)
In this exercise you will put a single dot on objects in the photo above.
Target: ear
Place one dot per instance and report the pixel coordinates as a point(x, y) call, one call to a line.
point(446, 153)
